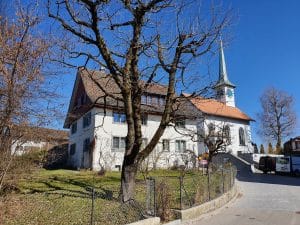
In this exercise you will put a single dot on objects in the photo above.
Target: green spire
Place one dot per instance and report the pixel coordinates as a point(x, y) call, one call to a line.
point(223, 77)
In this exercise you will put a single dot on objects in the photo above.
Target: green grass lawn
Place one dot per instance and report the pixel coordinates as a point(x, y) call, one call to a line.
point(63, 197)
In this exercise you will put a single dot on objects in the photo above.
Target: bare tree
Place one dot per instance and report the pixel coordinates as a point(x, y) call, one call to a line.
point(24, 96)
point(140, 40)
point(278, 118)
point(216, 138)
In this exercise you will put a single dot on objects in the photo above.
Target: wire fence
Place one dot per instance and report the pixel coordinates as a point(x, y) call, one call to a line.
point(163, 195)
point(74, 197)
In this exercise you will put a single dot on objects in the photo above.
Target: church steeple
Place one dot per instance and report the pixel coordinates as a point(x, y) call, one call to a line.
point(223, 87)
point(223, 77)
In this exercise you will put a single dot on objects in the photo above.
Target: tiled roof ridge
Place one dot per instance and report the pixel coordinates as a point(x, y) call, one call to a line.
point(218, 108)
point(107, 75)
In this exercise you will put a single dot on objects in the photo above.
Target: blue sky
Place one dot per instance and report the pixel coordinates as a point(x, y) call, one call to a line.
point(264, 52)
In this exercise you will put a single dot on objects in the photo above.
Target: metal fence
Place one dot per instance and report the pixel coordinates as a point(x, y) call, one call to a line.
point(122, 213)
point(163, 195)
point(80, 199)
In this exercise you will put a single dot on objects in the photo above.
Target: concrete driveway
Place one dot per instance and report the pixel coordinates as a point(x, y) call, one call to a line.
point(264, 199)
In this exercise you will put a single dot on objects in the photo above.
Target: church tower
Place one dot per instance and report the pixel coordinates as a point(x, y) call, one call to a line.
point(224, 88)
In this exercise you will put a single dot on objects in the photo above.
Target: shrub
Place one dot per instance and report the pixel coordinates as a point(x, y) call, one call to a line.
point(163, 201)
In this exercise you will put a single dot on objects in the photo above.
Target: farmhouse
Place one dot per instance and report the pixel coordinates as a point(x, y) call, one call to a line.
point(38, 138)
point(98, 125)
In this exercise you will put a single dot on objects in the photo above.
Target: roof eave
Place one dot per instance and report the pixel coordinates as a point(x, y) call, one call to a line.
point(224, 84)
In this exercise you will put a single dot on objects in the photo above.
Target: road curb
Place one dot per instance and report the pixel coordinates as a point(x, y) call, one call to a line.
point(197, 211)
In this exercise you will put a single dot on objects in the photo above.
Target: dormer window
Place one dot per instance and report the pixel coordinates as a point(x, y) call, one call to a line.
point(144, 99)
point(180, 123)
point(151, 99)
point(154, 100)
point(162, 100)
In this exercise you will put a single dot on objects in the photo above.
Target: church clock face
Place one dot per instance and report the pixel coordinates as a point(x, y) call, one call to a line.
point(229, 93)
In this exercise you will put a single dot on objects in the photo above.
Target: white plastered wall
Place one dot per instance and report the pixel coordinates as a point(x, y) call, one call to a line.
point(105, 129)
point(234, 126)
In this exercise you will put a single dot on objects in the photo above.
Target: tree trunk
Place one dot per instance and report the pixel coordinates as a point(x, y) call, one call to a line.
point(128, 175)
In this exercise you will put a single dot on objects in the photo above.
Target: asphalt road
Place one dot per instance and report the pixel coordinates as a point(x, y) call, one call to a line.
point(263, 199)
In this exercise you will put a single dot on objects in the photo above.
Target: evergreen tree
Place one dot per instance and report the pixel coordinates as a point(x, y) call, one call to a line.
point(262, 149)
point(270, 148)
point(278, 149)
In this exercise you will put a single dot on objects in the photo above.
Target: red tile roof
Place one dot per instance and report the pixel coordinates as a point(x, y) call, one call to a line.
point(217, 108)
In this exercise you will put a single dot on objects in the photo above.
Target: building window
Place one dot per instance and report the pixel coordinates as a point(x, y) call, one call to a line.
point(162, 100)
point(180, 145)
point(242, 136)
point(72, 149)
point(180, 123)
point(149, 100)
point(74, 128)
point(86, 145)
point(87, 120)
point(227, 134)
point(154, 100)
point(118, 143)
point(144, 99)
point(211, 129)
point(166, 145)
point(119, 117)
point(144, 118)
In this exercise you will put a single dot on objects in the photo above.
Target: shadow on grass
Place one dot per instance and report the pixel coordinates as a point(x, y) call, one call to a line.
point(73, 188)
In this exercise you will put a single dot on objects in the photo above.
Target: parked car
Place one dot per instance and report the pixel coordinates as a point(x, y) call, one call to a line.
point(267, 164)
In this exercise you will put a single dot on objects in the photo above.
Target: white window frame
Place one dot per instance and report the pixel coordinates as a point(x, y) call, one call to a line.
point(163, 145)
point(120, 147)
point(242, 137)
point(180, 123)
point(181, 147)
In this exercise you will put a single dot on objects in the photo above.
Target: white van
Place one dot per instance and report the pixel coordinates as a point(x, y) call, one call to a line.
point(283, 164)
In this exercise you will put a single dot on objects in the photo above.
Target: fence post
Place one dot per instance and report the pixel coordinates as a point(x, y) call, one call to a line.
point(230, 176)
point(154, 197)
point(92, 212)
point(150, 185)
point(223, 185)
point(180, 190)
point(208, 183)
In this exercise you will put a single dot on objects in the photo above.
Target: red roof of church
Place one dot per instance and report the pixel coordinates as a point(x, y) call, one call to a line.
point(217, 108)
